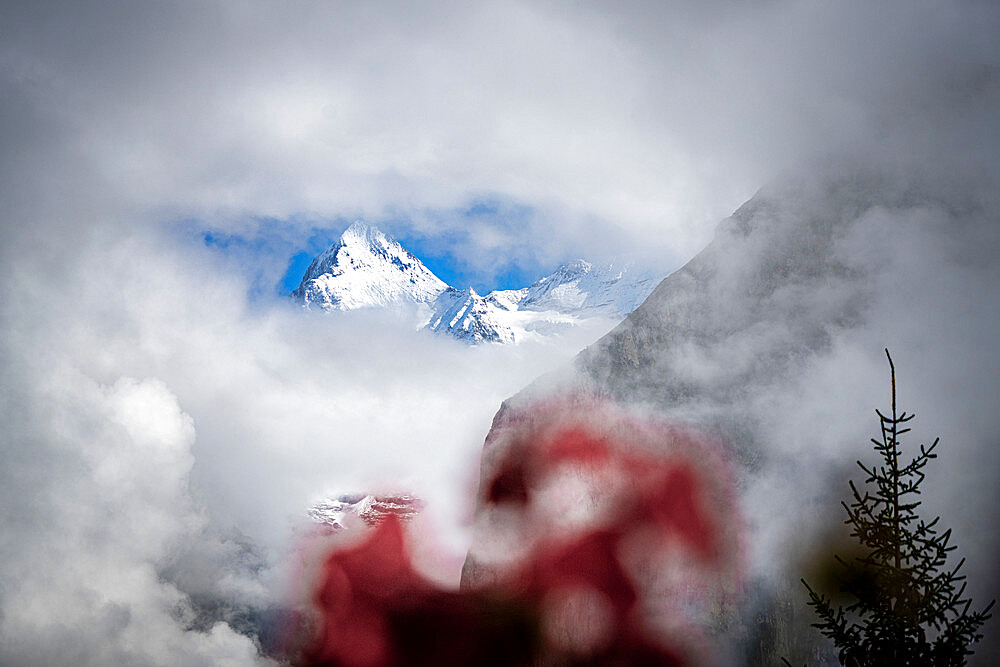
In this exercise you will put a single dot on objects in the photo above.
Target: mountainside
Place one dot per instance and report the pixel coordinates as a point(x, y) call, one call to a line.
point(766, 340)
point(366, 268)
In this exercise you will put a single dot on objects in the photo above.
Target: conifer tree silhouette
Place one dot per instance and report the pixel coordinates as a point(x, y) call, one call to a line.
point(909, 606)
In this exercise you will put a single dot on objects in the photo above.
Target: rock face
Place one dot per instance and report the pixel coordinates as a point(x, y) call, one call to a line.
point(368, 269)
point(798, 278)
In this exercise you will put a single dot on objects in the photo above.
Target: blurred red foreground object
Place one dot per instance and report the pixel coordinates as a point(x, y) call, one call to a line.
point(618, 543)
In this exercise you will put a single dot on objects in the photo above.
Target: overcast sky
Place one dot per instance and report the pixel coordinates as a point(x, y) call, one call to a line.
point(155, 406)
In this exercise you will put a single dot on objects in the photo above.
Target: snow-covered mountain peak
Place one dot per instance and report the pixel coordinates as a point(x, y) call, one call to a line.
point(360, 233)
point(365, 268)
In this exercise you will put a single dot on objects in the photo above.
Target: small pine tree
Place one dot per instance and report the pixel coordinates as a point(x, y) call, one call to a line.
point(909, 607)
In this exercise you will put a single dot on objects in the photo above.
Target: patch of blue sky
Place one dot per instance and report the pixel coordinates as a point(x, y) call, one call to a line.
point(297, 267)
point(275, 255)
point(273, 258)
point(319, 240)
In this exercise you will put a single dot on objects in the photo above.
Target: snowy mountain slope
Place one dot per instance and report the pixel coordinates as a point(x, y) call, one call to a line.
point(506, 299)
point(470, 317)
point(367, 268)
point(574, 292)
point(579, 286)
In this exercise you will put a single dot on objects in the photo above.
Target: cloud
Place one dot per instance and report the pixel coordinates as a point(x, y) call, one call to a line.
point(164, 437)
point(160, 430)
point(647, 123)
point(95, 497)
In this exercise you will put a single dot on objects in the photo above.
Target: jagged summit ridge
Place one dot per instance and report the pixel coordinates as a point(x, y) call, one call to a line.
point(367, 268)
point(472, 318)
